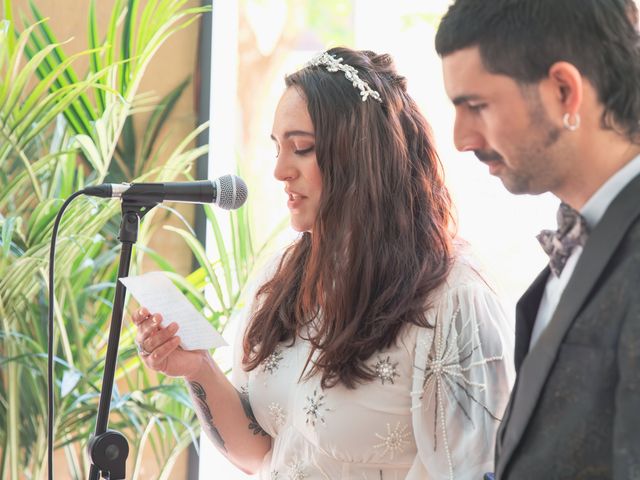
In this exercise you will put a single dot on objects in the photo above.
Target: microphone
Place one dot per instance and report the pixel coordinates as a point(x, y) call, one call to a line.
point(228, 192)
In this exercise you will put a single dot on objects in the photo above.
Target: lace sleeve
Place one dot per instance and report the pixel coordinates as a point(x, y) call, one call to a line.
point(461, 381)
point(240, 321)
point(239, 377)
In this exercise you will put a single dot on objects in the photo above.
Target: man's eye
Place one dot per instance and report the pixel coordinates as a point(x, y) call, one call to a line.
point(476, 108)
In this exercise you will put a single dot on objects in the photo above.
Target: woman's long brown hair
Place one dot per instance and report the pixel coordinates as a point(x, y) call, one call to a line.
point(381, 241)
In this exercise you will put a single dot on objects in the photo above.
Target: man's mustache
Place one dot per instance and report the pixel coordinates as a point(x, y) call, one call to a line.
point(488, 156)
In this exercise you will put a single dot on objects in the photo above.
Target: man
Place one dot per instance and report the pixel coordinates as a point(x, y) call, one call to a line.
point(547, 95)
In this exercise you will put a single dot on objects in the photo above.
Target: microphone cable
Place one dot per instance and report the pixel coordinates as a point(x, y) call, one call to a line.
point(50, 369)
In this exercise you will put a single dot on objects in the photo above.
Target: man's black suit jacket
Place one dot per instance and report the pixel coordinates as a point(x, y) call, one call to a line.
point(574, 412)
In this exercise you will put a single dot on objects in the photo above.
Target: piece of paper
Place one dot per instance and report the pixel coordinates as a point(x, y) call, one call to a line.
point(158, 294)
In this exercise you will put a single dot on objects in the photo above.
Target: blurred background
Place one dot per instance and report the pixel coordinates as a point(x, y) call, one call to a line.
point(162, 90)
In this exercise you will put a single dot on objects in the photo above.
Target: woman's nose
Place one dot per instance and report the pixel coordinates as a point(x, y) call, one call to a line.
point(284, 169)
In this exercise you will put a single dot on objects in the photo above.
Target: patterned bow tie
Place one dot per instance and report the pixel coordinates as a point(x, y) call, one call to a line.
point(572, 231)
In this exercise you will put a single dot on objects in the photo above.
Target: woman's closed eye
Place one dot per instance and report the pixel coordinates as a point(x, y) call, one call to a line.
point(304, 151)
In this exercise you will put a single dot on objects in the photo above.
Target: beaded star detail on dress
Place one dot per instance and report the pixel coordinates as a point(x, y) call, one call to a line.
point(334, 64)
point(277, 414)
point(314, 409)
point(272, 362)
point(395, 441)
point(447, 377)
point(296, 470)
point(385, 370)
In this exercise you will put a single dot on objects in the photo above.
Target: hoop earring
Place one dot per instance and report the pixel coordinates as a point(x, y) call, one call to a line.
point(566, 121)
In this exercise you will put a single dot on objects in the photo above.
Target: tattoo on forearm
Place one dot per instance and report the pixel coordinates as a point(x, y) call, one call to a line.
point(254, 426)
point(201, 404)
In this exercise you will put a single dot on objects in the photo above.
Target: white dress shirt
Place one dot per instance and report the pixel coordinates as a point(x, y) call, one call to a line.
point(592, 212)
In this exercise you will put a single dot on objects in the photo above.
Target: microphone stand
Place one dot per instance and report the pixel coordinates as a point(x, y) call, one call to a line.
point(108, 449)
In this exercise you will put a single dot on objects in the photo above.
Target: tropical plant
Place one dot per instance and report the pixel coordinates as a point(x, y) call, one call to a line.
point(59, 131)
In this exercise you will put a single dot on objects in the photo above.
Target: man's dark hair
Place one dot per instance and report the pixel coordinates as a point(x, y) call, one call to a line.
point(524, 38)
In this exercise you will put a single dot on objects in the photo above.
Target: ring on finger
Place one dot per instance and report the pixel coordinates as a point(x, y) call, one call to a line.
point(143, 318)
point(141, 349)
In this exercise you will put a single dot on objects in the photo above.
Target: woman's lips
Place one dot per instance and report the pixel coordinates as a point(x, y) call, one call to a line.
point(295, 200)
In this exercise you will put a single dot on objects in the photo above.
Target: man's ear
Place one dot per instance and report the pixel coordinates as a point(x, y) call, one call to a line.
point(566, 83)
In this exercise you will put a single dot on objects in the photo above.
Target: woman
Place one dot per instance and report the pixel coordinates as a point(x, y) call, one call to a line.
point(374, 351)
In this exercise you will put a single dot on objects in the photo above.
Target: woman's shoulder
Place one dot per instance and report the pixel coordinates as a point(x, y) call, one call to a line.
point(465, 273)
point(465, 289)
point(469, 293)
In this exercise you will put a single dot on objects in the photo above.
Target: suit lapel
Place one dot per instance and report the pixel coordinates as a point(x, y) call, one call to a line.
point(526, 312)
point(536, 366)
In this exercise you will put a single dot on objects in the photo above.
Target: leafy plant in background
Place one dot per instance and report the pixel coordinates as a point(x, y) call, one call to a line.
point(59, 131)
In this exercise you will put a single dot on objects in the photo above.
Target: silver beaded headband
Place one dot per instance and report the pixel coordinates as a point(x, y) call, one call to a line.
point(334, 64)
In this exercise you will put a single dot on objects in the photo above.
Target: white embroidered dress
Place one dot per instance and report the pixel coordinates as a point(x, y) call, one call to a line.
point(431, 413)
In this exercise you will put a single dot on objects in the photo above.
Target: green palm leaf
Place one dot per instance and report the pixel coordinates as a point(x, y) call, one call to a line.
point(47, 118)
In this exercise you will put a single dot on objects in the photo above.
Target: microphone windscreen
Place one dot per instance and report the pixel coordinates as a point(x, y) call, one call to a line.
point(232, 192)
